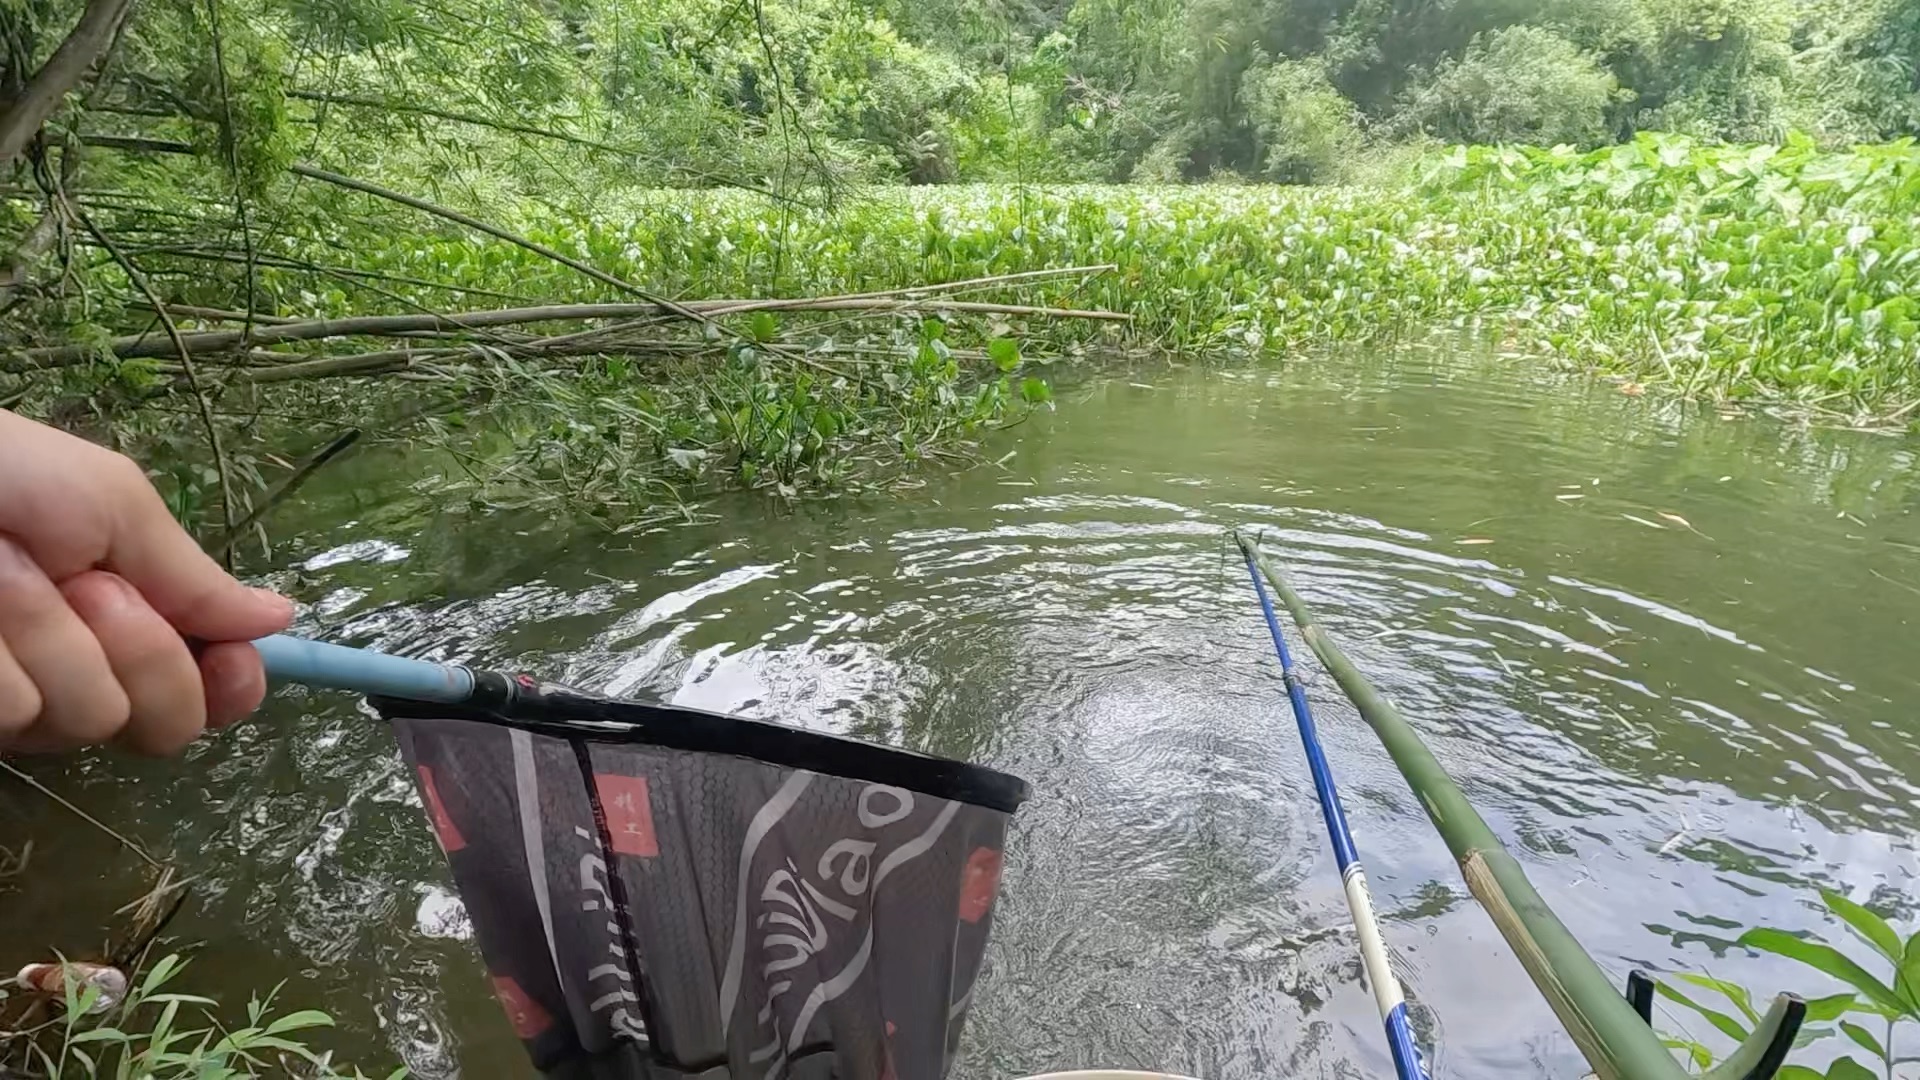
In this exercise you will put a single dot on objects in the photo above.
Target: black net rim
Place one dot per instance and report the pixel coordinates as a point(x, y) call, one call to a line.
point(565, 713)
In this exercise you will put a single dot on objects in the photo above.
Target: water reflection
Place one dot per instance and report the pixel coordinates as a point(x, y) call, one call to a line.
point(1663, 651)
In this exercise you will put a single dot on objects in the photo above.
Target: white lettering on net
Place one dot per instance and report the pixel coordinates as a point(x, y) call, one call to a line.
point(873, 819)
point(858, 856)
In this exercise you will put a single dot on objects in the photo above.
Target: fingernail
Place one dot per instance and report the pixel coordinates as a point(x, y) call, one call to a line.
point(280, 603)
point(123, 590)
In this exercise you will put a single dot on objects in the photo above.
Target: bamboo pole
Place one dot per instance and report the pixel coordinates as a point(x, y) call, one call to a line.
point(1610, 1035)
point(211, 341)
point(1616, 1042)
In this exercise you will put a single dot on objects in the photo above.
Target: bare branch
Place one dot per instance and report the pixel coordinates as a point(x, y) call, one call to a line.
point(140, 282)
point(87, 43)
point(495, 231)
point(212, 341)
point(223, 547)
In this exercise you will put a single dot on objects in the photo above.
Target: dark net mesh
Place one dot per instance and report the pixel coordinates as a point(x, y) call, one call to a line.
point(661, 891)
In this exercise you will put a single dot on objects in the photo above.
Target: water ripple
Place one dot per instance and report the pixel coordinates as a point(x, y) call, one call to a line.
point(1659, 724)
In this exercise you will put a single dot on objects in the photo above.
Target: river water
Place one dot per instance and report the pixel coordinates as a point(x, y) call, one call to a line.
point(1669, 655)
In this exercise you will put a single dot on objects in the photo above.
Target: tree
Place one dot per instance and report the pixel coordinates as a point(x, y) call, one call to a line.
point(1712, 68)
point(1519, 84)
point(1307, 131)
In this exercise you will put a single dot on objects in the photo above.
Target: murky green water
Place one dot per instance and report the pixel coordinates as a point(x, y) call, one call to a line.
point(1679, 681)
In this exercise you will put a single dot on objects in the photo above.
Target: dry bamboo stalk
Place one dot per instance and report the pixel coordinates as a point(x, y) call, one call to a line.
point(211, 341)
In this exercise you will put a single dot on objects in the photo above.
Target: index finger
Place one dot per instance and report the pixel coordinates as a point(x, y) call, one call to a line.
point(181, 582)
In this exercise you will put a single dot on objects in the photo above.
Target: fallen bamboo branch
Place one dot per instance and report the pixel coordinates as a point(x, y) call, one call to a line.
point(223, 547)
point(368, 188)
point(209, 314)
point(917, 290)
point(735, 307)
point(362, 102)
point(933, 304)
point(284, 262)
point(213, 341)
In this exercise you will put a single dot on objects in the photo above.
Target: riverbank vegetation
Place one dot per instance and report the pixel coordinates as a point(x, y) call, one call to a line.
point(1866, 1016)
point(156, 1032)
point(539, 241)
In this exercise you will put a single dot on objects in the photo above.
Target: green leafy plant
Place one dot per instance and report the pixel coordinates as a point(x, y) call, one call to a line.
point(1889, 1004)
point(1740, 1022)
point(146, 1036)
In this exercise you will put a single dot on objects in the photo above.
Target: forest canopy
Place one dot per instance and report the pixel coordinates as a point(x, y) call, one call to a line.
point(773, 93)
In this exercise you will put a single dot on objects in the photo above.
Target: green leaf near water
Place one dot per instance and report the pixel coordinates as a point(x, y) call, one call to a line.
point(1870, 926)
point(1824, 958)
point(104, 1034)
point(1731, 991)
point(763, 326)
point(1035, 391)
point(1831, 1007)
point(1864, 1037)
point(1908, 980)
point(1848, 1069)
point(294, 1021)
point(1004, 352)
point(163, 969)
point(1701, 1056)
point(1723, 1023)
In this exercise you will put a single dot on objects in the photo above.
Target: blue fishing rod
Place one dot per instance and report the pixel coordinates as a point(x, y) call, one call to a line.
point(1407, 1064)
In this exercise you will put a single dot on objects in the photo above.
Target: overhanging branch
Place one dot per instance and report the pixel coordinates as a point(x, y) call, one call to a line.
point(91, 37)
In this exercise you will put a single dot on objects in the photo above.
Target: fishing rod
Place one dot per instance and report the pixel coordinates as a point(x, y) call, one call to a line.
point(1407, 1064)
point(1612, 1032)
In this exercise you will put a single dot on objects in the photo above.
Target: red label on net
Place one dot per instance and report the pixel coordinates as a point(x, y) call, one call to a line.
point(979, 883)
point(443, 826)
point(629, 813)
point(524, 1013)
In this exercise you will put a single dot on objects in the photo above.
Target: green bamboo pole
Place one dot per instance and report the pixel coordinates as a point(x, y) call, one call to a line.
point(1615, 1041)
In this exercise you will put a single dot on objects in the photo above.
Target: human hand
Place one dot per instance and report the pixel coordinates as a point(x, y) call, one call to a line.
point(99, 590)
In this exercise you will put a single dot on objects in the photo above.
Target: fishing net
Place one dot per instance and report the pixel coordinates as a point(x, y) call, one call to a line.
point(660, 891)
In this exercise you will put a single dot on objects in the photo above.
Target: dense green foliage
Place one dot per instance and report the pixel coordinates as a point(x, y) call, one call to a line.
point(1777, 274)
point(247, 164)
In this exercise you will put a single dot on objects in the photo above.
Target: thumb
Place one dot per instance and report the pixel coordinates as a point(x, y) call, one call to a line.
point(180, 582)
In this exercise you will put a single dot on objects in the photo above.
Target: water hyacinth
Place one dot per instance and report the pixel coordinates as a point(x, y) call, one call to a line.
point(1777, 273)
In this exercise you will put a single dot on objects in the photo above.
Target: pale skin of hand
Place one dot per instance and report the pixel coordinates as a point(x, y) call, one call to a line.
point(99, 591)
